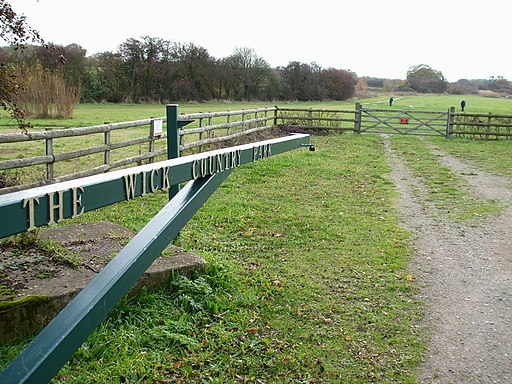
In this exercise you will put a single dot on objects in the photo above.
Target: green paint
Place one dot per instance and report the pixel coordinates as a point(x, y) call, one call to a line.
point(53, 203)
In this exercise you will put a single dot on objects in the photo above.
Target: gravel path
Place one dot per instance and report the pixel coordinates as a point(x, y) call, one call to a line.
point(465, 275)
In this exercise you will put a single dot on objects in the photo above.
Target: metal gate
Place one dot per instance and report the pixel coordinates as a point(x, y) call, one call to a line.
point(403, 122)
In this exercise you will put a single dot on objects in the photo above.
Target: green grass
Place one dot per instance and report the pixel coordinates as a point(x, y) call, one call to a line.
point(307, 281)
point(494, 155)
point(93, 114)
point(445, 189)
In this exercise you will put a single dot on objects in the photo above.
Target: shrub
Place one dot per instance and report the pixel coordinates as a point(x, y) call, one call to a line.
point(46, 94)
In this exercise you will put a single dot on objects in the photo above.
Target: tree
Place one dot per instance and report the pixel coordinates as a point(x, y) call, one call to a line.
point(16, 32)
point(105, 78)
point(499, 85)
point(300, 81)
point(462, 87)
point(338, 84)
point(423, 78)
point(250, 73)
point(194, 67)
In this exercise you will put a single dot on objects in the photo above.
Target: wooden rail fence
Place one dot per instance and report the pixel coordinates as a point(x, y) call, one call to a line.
point(481, 126)
point(213, 128)
point(210, 130)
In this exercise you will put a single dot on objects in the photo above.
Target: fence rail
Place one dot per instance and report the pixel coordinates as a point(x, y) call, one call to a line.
point(103, 152)
point(482, 126)
point(317, 119)
point(215, 132)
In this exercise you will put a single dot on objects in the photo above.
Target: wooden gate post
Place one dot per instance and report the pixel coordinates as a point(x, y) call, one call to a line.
point(449, 122)
point(488, 127)
point(357, 118)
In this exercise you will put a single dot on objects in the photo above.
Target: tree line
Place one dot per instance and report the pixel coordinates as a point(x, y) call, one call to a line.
point(154, 69)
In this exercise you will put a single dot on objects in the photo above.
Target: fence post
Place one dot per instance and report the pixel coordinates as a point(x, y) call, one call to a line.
point(200, 133)
point(182, 137)
point(449, 122)
point(49, 152)
point(173, 142)
point(106, 154)
point(152, 140)
point(210, 131)
point(357, 118)
point(275, 115)
point(310, 118)
point(488, 128)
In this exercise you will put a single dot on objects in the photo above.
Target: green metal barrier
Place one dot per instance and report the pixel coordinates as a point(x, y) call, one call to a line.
point(55, 344)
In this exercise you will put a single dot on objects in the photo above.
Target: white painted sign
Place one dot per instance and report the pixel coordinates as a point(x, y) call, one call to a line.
point(158, 124)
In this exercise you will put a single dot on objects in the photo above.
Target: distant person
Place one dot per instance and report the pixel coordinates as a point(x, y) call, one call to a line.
point(391, 101)
point(462, 105)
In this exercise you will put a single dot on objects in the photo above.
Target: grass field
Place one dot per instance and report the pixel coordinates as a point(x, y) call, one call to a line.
point(307, 277)
point(92, 114)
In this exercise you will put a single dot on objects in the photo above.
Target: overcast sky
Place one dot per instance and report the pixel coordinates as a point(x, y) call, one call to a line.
point(382, 38)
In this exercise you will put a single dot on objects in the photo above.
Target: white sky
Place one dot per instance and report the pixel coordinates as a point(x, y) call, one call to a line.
point(382, 38)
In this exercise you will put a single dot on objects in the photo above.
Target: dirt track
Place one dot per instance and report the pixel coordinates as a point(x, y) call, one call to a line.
point(465, 274)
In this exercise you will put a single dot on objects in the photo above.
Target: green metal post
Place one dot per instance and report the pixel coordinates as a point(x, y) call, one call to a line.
point(54, 345)
point(173, 141)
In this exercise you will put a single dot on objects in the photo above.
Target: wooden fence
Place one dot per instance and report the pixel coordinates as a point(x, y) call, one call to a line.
point(100, 151)
point(480, 126)
point(323, 119)
point(394, 121)
point(44, 156)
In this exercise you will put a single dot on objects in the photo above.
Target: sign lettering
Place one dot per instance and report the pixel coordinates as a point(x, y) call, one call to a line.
point(69, 202)
point(211, 165)
point(30, 202)
point(261, 152)
point(77, 201)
